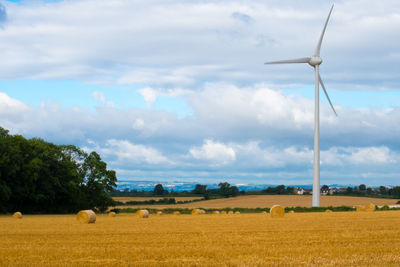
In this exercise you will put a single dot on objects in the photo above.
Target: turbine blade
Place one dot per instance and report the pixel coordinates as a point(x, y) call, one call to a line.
point(326, 93)
point(297, 60)
point(317, 50)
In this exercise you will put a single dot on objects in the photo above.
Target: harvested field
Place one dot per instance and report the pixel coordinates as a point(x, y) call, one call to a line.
point(336, 238)
point(126, 199)
point(269, 201)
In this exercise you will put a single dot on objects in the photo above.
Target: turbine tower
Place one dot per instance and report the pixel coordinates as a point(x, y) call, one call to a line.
point(314, 62)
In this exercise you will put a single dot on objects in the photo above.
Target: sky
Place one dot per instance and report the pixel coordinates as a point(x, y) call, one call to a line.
point(172, 90)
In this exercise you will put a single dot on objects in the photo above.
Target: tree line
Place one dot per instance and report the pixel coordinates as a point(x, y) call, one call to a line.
point(41, 177)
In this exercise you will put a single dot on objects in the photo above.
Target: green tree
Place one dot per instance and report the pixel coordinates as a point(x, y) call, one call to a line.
point(224, 189)
point(369, 190)
point(39, 177)
point(158, 190)
point(324, 188)
point(396, 191)
point(234, 191)
point(382, 190)
point(200, 189)
point(362, 187)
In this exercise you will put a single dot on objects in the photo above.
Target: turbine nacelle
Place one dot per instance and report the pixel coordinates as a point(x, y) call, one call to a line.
point(314, 61)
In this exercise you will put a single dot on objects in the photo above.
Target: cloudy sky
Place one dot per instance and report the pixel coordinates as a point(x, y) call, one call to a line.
point(178, 90)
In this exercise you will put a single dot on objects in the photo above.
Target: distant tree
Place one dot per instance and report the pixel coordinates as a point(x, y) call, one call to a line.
point(224, 189)
point(200, 189)
point(234, 191)
point(280, 189)
point(396, 191)
point(324, 188)
point(369, 190)
point(159, 190)
point(362, 187)
point(349, 190)
point(290, 190)
point(382, 190)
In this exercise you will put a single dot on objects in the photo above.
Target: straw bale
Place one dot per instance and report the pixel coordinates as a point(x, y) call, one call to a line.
point(215, 212)
point(86, 216)
point(196, 211)
point(291, 211)
point(230, 212)
point(237, 212)
point(17, 215)
point(264, 212)
point(277, 211)
point(142, 213)
point(360, 208)
point(202, 211)
point(223, 212)
point(159, 213)
point(176, 213)
point(370, 207)
point(328, 210)
point(112, 214)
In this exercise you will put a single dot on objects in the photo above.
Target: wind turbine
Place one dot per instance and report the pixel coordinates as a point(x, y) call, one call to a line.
point(314, 62)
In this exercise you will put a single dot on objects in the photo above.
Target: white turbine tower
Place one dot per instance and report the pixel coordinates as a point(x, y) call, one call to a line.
point(314, 61)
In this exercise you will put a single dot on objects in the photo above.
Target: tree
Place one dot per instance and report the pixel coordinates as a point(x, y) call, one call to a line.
point(362, 187)
point(349, 190)
point(396, 191)
point(324, 188)
point(224, 189)
point(200, 189)
point(158, 190)
point(382, 190)
point(369, 190)
point(40, 177)
point(234, 191)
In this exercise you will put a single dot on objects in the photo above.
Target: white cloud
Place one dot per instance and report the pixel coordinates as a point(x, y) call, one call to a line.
point(150, 95)
point(11, 107)
point(216, 153)
point(138, 124)
point(129, 153)
point(99, 96)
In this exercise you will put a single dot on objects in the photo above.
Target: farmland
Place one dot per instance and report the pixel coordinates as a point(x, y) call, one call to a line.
point(126, 199)
point(339, 238)
point(264, 201)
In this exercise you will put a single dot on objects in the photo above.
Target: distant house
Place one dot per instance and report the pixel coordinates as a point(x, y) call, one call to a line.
point(299, 191)
point(333, 190)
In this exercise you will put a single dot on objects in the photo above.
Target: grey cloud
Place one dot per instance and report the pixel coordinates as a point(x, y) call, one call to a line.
point(242, 17)
point(65, 40)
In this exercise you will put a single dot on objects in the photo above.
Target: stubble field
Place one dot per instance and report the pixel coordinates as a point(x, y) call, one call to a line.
point(338, 238)
point(265, 201)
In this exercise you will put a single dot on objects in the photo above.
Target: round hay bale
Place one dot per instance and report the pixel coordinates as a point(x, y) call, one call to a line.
point(230, 212)
point(112, 214)
point(142, 213)
point(277, 211)
point(223, 212)
point(17, 215)
point(370, 207)
point(263, 212)
point(86, 216)
point(159, 213)
point(237, 212)
point(360, 208)
point(215, 212)
point(328, 210)
point(176, 213)
point(196, 211)
point(203, 211)
point(291, 211)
